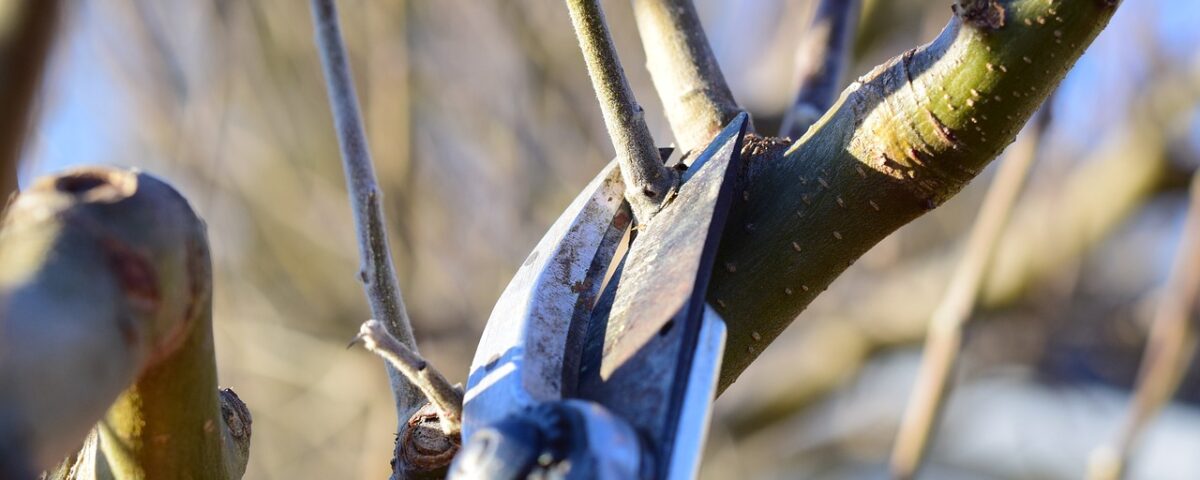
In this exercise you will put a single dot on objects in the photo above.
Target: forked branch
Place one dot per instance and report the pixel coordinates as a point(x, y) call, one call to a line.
point(376, 271)
point(440, 392)
point(416, 454)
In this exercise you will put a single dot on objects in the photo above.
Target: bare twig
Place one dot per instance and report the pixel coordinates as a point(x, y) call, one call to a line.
point(1172, 343)
point(945, 330)
point(821, 63)
point(417, 454)
point(376, 272)
point(697, 100)
point(647, 181)
point(440, 392)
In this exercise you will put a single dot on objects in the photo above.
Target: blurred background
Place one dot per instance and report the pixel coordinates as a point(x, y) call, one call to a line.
point(483, 126)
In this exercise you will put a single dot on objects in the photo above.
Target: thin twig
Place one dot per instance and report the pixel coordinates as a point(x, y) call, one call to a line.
point(697, 100)
point(1171, 344)
point(945, 330)
point(376, 272)
point(440, 392)
point(647, 180)
point(820, 63)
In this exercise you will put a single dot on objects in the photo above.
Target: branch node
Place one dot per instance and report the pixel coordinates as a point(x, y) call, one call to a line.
point(424, 450)
point(447, 398)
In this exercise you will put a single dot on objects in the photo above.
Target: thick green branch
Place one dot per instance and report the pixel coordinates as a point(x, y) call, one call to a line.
point(105, 282)
point(1050, 231)
point(697, 100)
point(899, 142)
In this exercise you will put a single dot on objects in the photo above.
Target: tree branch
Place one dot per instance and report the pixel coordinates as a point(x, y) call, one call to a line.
point(1171, 345)
point(1049, 230)
point(647, 180)
point(105, 281)
point(898, 143)
point(698, 103)
point(821, 62)
point(417, 453)
point(440, 392)
point(26, 37)
point(944, 339)
point(376, 271)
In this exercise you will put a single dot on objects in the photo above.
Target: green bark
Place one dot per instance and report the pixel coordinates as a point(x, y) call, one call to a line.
point(898, 142)
point(168, 424)
point(105, 294)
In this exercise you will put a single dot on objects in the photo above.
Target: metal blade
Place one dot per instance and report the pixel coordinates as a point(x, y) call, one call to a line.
point(521, 357)
point(696, 412)
point(653, 328)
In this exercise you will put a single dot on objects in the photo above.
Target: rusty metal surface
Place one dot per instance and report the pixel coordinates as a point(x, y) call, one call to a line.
point(656, 315)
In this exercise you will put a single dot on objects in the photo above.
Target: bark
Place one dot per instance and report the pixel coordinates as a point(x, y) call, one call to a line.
point(376, 271)
point(899, 142)
point(417, 453)
point(695, 97)
point(1050, 233)
point(105, 294)
point(647, 181)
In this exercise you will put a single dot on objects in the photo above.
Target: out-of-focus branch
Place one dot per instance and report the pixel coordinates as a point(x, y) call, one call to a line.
point(26, 34)
point(647, 180)
point(105, 281)
point(825, 49)
point(1170, 347)
point(376, 271)
point(697, 100)
point(440, 392)
point(945, 333)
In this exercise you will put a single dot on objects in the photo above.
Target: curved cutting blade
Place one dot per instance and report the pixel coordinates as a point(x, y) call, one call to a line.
point(521, 357)
point(653, 330)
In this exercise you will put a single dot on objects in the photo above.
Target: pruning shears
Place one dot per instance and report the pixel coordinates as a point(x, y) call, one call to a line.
point(578, 377)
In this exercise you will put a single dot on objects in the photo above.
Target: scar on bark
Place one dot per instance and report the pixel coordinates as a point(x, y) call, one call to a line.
point(987, 14)
point(942, 130)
